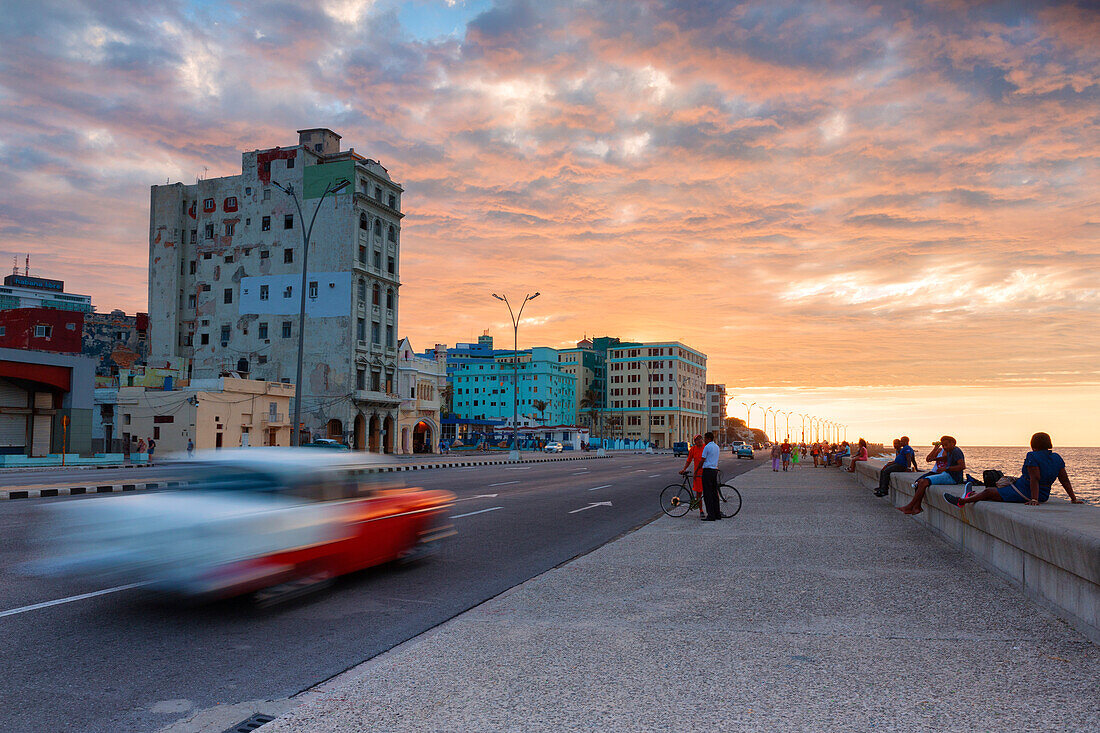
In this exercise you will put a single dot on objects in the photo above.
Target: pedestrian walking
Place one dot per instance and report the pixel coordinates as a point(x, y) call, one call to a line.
point(190, 448)
point(785, 454)
point(710, 478)
point(776, 456)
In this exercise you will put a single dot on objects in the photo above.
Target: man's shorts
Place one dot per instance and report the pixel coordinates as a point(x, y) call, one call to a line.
point(941, 479)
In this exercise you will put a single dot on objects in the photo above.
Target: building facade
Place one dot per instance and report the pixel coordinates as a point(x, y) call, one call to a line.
point(483, 390)
point(225, 273)
point(421, 382)
point(116, 341)
point(583, 362)
point(716, 407)
point(657, 392)
point(24, 291)
point(45, 402)
point(41, 329)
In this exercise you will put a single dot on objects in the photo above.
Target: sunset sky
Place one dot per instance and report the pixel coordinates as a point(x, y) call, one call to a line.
point(883, 214)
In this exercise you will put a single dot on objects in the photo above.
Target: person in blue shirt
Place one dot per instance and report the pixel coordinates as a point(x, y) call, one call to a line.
point(1041, 466)
point(904, 457)
point(950, 465)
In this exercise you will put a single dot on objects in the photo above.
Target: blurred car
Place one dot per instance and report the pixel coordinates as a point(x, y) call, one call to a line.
point(326, 443)
point(250, 520)
point(742, 449)
point(553, 447)
point(679, 449)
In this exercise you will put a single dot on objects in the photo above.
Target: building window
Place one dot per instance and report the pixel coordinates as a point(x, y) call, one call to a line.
point(267, 194)
point(229, 259)
point(361, 330)
point(209, 231)
point(389, 336)
point(288, 255)
point(377, 260)
point(362, 255)
point(225, 335)
point(393, 201)
point(265, 224)
point(191, 300)
point(288, 291)
point(264, 254)
point(362, 291)
point(261, 359)
point(391, 234)
point(286, 329)
point(229, 228)
point(377, 193)
point(194, 236)
point(376, 295)
point(360, 378)
point(363, 221)
point(192, 266)
point(204, 339)
point(378, 227)
point(288, 221)
point(376, 381)
point(313, 289)
point(318, 147)
point(248, 190)
point(263, 292)
point(390, 265)
point(263, 331)
point(389, 298)
point(208, 206)
point(230, 203)
point(375, 333)
point(41, 331)
point(227, 296)
point(289, 163)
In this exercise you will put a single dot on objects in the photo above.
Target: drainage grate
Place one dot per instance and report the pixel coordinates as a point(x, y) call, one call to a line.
point(247, 726)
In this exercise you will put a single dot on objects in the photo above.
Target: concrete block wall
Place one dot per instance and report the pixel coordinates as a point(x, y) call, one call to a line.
point(1051, 551)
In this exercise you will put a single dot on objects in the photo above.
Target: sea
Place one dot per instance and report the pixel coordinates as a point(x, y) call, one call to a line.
point(1082, 465)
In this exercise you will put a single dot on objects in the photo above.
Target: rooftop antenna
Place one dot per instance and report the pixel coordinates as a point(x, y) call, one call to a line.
point(15, 264)
point(27, 269)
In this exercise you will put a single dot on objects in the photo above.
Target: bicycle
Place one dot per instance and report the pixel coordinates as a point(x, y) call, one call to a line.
point(679, 499)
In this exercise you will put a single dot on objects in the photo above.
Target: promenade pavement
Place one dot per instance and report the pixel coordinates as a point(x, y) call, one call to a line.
point(817, 608)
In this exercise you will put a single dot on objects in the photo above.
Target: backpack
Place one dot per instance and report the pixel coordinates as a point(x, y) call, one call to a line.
point(991, 477)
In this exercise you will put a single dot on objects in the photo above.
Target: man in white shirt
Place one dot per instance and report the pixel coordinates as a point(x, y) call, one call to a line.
point(710, 478)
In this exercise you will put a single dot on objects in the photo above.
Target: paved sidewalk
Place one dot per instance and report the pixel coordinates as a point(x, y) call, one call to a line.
point(817, 608)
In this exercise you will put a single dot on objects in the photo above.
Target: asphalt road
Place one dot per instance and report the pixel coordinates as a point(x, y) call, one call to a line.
point(128, 661)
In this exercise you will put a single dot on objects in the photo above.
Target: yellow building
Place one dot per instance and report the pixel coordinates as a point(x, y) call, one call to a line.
point(420, 383)
point(657, 392)
point(225, 412)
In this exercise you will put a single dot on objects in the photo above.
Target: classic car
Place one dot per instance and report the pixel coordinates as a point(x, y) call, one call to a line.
point(254, 520)
point(741, 449)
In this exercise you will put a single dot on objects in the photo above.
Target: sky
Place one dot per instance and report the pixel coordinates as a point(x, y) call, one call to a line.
point(882, 214)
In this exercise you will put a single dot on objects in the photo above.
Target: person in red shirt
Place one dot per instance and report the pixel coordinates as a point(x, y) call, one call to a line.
point(695, 460)
point(785, 454)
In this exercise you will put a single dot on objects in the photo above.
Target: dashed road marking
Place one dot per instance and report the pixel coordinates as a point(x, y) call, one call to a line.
point(70, 599)
point(605, 486)
point(480, 511)
point(503, 483)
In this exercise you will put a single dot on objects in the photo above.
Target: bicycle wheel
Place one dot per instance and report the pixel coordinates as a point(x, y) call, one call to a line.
point(730, 502)
point(676, 500)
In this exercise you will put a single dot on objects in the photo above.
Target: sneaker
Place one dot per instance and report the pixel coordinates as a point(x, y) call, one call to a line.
point(951, 499)
point(880, 493)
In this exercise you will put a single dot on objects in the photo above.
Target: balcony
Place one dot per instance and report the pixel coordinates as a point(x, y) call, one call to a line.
point(377, 397)
point(274, 419)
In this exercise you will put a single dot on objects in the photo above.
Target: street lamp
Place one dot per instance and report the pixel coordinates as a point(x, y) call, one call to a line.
point(515, 362)
point(766, 413)
point(803, 415)
point(333, 187)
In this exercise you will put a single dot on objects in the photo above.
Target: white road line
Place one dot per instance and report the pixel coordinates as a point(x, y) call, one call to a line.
point(654, 475)
point(70, 599)
point(521, 468)
point(503, 483)
point(638, 470)
point(479, 496)
point(480, 511)
point(605, 486)
point(590, 506)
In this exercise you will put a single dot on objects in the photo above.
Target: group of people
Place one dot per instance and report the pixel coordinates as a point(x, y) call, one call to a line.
point(785, 455)
point(1042, 466)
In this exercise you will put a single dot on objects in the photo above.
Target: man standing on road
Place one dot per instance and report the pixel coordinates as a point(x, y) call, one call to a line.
point(710, 478)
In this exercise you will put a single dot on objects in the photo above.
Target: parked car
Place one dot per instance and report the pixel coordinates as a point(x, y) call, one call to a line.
point(679, 449)
point(328, 443)
point(554, 447)
point(260, 520)
point(742, 449)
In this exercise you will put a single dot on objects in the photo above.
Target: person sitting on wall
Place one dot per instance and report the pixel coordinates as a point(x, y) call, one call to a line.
point(861, 455)
point(1041, 466)
point(903, 457)
point(950, 465)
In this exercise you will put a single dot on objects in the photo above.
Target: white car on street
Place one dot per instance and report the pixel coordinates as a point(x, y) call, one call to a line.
point(554, 447)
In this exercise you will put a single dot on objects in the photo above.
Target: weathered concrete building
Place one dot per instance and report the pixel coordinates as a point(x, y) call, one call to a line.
point(225, 266)
point(116, 341)
point(421, 381)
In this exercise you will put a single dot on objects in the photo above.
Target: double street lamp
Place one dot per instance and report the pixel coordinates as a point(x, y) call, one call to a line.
point(515, 362)
point(333, 187)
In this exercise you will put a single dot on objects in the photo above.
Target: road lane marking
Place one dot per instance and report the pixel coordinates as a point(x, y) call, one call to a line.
point(521, 468)
point(638, 470)
point(605, 486)
point(654, 475)
point(479, 511)
point(590, 506)
point(479, 496)
point(503, 483)
point(70, 599)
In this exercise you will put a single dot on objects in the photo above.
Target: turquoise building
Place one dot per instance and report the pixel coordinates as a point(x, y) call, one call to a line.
point(483, 388)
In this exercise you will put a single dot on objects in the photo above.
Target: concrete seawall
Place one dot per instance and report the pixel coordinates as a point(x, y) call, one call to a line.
point(1052, 551)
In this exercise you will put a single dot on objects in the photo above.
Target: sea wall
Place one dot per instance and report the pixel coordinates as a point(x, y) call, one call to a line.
point(1051, 551)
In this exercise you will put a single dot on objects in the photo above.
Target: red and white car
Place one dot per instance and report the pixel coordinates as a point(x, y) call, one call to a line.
point(248, 520)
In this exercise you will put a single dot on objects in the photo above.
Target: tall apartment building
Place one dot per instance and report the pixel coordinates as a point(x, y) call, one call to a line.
point(716, 407)
point(24, 291)
point(658, 391)
point(483, 389)
point(225, 268)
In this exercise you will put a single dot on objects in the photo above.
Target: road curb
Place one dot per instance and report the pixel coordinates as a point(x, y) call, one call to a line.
point(127, 487)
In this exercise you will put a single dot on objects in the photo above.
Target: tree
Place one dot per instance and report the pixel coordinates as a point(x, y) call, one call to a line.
point(541, 406)
point(590, 401)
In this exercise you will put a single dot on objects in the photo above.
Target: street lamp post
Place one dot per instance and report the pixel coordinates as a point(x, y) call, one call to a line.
point(803, 415)
point(333, 187)
point(515, 365)
point(766, 413)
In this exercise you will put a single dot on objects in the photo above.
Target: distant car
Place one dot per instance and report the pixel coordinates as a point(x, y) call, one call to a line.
point(679, 449)
point(328, 443)
point(554, 447)
point(269, 521)
point(742, 449)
